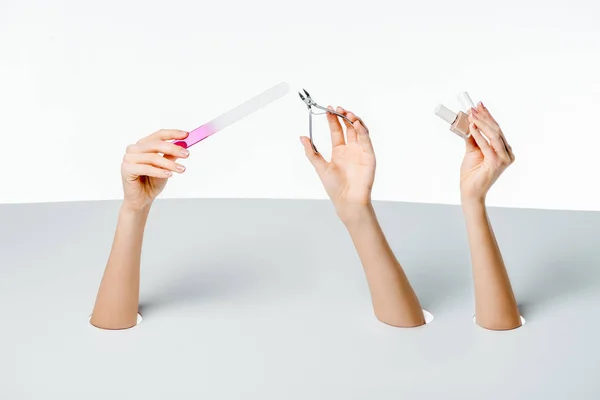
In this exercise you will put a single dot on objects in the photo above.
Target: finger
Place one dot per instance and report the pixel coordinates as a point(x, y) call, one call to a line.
point(137, 170)
point(357, 122)
point(158, 146)
point(155, 160)
point(316, 159)
point(509, 150)
point(165, 134)
point(481, 108)
point(481, 142)
point(360, 119)
point(362, 133)
point(351, 136)
point(364, 139)
point(484, 114)
point(493, 133)
point(511, 153)
point(471, 144)
point(337, 133)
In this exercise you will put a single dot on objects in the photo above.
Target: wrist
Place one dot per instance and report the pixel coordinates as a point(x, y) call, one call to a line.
point(356, 214)
point(472, 202)
point(135, 209)
point(474, 209)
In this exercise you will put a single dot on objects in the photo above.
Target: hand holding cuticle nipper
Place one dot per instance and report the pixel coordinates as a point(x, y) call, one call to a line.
point(310, 103)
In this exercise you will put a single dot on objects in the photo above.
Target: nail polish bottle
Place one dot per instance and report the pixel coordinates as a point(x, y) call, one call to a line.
point(465, 101)
point(459, 123)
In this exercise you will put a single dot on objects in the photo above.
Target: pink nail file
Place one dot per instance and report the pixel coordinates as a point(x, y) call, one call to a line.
point(234, 115)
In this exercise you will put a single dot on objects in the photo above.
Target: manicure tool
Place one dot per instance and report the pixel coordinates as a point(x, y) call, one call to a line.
point(310, 103)
point(234, 115)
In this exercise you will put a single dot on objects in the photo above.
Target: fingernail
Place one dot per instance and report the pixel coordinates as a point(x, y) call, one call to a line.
point(185, 153)
point(168, 173)
point(473, 111)
point(180, 168)
point(331, 108)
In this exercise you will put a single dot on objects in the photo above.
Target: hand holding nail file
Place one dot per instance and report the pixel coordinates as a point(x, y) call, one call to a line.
point(459, 123)
point(234, 115)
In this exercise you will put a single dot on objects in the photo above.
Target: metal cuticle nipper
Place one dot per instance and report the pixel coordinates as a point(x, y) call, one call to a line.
point(312, 105)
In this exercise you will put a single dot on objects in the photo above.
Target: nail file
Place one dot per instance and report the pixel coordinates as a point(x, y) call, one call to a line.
point(234, 115)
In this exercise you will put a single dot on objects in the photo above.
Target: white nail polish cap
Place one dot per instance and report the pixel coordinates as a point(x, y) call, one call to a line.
point(465, 101)
point(446, 114)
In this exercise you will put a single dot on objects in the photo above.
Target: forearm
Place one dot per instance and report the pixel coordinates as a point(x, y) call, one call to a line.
point(117, 301)
point(495, 304)
point(394, 301)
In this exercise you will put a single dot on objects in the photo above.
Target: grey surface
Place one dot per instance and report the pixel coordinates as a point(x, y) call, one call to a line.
point(253, 299)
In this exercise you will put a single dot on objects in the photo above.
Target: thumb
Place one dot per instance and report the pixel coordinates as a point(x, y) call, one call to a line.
point(315, 159)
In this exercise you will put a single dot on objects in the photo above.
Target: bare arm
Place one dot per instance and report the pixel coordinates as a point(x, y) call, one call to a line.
point(146, 167)
point(117, 301)
point(348, 179)
point(394, 300)
point(486, 158)
point(495, 304)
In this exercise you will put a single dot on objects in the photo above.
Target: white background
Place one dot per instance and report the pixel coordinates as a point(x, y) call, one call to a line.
point(79, 80)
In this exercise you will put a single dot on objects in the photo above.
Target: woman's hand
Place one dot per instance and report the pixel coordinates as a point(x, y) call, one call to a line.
point(484, 161)
point(348, 177)
point(148, 164)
